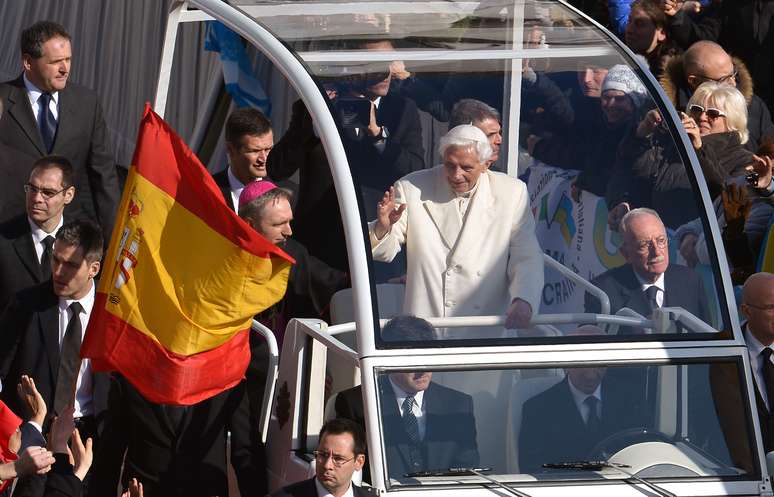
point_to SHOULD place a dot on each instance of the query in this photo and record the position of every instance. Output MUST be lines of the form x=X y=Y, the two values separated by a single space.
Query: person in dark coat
x=594 y=152
x=707 y=61
x=647 y=34
x=44 y=113
x=340 y=452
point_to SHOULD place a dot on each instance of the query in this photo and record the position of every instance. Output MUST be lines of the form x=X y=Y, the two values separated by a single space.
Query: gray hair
x=726 y=99
x=466 y=136
x=253 y=210
x=471 y=111
x=623 y=227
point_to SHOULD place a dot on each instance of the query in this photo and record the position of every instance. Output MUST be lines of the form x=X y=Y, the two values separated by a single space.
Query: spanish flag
x=182 y=278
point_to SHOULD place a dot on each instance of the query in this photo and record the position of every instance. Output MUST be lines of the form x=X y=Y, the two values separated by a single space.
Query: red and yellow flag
x=182 y=278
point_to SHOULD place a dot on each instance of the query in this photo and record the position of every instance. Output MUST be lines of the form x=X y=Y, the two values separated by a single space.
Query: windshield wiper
x=598 y=465
x=468 y=472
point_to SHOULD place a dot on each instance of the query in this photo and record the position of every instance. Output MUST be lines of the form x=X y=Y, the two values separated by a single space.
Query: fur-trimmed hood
x=674 y=82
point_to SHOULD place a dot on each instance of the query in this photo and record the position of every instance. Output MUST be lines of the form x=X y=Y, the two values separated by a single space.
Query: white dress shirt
x=658 y=284
x=84 y=386
x=417 y=407
x=754 y=349
x=580 y=401
x=236 y=188
x=463 y=201
x=323 y=492
x=34 y=93
x=38 y=235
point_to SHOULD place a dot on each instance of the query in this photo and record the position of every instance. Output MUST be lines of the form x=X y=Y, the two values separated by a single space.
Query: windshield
x=522 y=216
x=659 y=420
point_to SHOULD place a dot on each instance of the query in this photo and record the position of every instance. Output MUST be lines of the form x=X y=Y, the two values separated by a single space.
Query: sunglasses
x=712 y=113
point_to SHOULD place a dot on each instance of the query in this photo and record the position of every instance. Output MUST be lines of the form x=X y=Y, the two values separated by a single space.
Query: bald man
x=708 y=61
x=758 y=309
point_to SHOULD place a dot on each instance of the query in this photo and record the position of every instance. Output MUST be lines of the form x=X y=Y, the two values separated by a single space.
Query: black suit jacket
x=307 y=488
x=29 y=344
x=316 y=216
x=552 y=429
x=81 y=137
x=19 y=264
x=15 y=167
x=373 y=171
x=186 y=459
x=221 y=179
x=450 y=427
x=682 y=288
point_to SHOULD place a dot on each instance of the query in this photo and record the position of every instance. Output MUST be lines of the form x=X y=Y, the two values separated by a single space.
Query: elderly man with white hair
x=469 y=236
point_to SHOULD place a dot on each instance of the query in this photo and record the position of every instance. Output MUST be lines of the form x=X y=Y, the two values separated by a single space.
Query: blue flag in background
x=238 y=75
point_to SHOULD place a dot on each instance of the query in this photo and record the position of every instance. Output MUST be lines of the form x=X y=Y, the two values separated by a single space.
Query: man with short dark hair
x=427 y=426
x=249 y=139
x=41 y=331
x=340 y=452
x=484 y=117
x=26 y=241
x=46 y=114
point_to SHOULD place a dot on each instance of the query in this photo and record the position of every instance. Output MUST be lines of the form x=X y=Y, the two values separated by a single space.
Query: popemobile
x=612 y=385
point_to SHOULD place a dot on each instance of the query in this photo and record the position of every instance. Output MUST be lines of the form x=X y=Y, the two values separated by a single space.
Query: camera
x=752 y=179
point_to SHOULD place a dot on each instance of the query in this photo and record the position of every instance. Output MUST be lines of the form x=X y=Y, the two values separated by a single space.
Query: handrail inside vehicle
x=568 y=273
x=660 y=323
x=271 y=376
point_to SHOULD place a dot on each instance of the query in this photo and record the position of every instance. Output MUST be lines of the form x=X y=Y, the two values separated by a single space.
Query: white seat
x=389 y=296
x=521 y=391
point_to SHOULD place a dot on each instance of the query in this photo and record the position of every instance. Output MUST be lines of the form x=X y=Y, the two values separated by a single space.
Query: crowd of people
x=460 y=236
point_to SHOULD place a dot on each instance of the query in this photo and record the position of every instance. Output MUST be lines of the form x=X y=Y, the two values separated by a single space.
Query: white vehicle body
x=319 y=359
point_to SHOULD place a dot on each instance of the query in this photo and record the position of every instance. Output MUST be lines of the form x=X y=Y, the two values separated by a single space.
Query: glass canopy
x=568 y=106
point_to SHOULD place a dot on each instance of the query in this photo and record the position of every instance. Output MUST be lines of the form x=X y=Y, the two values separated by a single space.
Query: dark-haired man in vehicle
x=46 y=114
x=426 y=425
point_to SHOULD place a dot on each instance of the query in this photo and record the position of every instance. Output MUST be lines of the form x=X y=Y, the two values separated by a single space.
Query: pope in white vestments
x=469 y=236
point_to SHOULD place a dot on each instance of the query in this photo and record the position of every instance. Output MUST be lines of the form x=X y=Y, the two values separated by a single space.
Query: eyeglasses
x=47 y=193
x=723 y=79
x=643 y=246
x=764 y=308
x=712 y=113
x=322 y=456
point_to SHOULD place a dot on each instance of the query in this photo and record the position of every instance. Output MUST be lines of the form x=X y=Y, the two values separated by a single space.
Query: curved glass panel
x=578 y=139
x=666 y=421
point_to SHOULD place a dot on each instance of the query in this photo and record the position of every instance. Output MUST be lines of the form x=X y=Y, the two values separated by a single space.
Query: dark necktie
x=593 y=423
x=46 y=121
x=45 y=259
x=412 y=430
x=69 y=360
x=650 y=295
x=768 y=376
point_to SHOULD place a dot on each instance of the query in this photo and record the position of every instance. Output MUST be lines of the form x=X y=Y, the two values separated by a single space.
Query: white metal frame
x=370 y=357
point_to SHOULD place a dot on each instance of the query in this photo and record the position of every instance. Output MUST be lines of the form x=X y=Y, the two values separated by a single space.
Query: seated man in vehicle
x=647 y=281
x=426 y=426
x=568 y=420
x=340 y=452
x=469 y=236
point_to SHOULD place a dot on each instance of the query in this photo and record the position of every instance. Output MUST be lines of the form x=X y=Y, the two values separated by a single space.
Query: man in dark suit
x=386 y=144
x=565 y=422
x=42 y=329
x=249 y=139
x=177 y=451
x=340 y=452
x=758 y=307
x=26 y=240
x=426 y=426
x=46 y=115
x=648 y=281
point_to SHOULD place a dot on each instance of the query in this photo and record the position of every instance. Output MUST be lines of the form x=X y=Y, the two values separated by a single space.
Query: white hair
x=466 y=136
